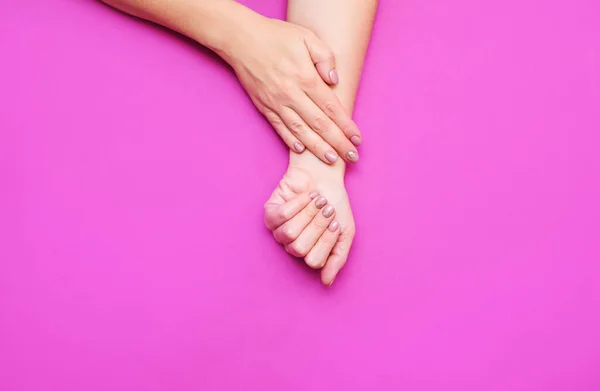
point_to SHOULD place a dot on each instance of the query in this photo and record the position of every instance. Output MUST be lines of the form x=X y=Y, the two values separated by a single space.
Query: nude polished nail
x=333 y=76
x=330 y=156
x=299 y=147
x=356 y=140
x=328 y=211
x=333 y=226
x=313 y=195
x=352 y=156
x=320 y=202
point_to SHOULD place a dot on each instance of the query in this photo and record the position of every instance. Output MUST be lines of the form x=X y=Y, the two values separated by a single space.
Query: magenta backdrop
x=134 y=169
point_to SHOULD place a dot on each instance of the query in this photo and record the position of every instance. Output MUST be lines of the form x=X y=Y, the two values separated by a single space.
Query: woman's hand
x=309 y=213
x=283 y=67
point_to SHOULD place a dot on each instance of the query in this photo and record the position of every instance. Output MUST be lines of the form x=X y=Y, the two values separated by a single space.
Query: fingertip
x=352 y=156
x=326 y=278
x=331 y=157
x=333 y=226
x=298 y=147
x=321 y=202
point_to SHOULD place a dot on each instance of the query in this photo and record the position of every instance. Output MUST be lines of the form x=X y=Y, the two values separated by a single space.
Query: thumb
x=338 y=257
x=322 y=57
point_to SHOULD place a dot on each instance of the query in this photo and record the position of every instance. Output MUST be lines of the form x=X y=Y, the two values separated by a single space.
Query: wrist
x=317 y=169
x=221 y=26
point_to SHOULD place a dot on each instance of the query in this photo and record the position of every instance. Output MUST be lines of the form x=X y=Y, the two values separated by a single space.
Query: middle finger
x=322 y=125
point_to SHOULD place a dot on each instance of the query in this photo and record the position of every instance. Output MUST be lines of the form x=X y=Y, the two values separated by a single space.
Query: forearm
x=344 y=25
x=215 y=24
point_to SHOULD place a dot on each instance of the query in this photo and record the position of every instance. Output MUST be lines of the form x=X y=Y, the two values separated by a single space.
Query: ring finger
x=311 y=140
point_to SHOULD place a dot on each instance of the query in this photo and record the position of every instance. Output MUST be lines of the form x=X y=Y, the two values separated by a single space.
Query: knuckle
x=296 y=127
x=285 y=214
x=285 y=87
x=297 y=249
x=273 y=119
x=330 y=108
x=287 y=233
x=321 y=124
x=263 y=97
x=313 y=261
x=279 y=90
x=308 y=81
x=285 y=66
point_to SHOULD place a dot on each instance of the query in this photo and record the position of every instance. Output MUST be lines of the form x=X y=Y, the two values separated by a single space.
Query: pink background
x=133 y=170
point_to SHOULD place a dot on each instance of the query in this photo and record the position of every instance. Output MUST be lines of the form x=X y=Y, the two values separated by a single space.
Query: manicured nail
x=328 y=211
x=320 y=202
x=299 y=147
x=333 y=76
x=313 y=195
x=333 y=226
x=356 y=140
x=352 y=156
x=330 y=156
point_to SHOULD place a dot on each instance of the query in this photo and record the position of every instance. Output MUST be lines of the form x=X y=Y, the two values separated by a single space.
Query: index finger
x=277 y=215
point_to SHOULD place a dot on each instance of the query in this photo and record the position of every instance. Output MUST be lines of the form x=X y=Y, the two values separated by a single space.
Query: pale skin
x=303 y=77
x=345 y=25
x=284 y=68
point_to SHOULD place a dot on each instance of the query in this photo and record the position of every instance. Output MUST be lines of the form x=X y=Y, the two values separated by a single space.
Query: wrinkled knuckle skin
x=297 y=128
x=320 y=124
x=274 y=120
x=330 y=109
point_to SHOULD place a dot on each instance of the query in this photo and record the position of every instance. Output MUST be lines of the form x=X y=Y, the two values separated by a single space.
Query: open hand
x=284 y=68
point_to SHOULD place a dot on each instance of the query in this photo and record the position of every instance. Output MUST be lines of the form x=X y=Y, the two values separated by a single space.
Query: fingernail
x=299 y=147
x=313 y=195
x=333 y=76
x=328 y=211
x=320 y=202
x=333 y=226
x=352 y=156
x=331 y=283
x=356 y=140
x=330 y=156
